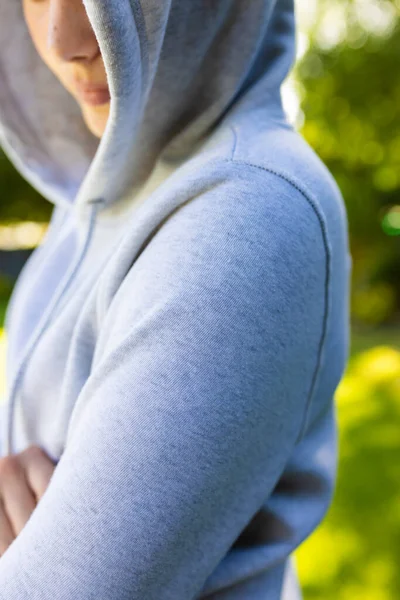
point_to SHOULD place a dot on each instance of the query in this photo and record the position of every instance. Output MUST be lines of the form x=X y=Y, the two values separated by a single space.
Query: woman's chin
x=96 y=117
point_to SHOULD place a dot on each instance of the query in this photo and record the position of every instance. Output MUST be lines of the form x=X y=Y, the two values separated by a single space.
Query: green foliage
x=351 y=102
x=6 y=286
x=354 y=553
x=21 y=202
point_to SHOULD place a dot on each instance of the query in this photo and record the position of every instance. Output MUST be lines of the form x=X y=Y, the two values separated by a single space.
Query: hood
x=174 y=69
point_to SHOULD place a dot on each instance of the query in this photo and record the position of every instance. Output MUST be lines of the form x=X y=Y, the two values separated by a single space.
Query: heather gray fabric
x=176 y=340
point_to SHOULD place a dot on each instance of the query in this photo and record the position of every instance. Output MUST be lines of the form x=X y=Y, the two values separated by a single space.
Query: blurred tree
x=20 y=202
x=350 y=97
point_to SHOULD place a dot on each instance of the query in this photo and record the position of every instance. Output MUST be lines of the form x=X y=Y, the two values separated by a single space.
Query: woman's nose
x=70 y=34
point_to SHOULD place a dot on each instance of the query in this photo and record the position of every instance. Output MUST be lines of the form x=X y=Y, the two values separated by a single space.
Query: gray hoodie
x=176 y=340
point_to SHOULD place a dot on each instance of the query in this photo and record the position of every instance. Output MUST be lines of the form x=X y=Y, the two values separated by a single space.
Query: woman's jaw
x=64 y=38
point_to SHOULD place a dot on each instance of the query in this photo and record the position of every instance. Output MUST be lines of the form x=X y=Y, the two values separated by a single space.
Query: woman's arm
x=192 y=408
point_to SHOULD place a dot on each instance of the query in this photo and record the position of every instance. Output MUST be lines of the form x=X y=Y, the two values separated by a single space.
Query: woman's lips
x=93 y=94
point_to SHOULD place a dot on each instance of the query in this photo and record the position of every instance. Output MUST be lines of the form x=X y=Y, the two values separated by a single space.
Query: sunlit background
x=344 y=98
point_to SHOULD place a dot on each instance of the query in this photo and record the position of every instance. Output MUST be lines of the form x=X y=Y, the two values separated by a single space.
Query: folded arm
x=192 y=409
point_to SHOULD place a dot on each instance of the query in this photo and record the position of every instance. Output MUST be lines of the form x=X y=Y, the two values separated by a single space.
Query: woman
x=176 y=340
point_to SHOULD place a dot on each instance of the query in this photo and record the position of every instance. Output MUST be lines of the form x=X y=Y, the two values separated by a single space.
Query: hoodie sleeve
x=195 y=399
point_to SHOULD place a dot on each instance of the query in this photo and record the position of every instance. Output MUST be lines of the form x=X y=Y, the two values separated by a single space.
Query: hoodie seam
x=140 y=24
x=235 y=138
x=321 y=220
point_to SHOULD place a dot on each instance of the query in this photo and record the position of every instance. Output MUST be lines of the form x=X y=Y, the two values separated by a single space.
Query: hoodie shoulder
x=276 y=147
